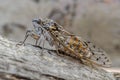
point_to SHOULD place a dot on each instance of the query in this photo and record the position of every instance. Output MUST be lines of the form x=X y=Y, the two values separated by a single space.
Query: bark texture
x=28 y=63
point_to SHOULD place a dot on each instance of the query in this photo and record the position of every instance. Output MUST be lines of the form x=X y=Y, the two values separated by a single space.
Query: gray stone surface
x=26 y=62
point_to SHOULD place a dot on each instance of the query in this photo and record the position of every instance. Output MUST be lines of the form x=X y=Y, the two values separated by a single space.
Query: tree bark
x=28 y=63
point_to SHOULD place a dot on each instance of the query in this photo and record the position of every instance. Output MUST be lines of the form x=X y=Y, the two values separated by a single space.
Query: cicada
x=71 y=44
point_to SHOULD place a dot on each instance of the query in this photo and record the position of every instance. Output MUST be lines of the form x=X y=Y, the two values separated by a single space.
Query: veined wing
x=93 y=54
x=99 y=56
x=73 y=44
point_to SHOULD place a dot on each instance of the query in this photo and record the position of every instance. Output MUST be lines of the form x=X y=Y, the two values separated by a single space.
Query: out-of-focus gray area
x=94 y=20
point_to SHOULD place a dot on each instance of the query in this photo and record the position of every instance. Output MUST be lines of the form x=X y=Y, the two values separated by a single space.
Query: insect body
x=72 y=44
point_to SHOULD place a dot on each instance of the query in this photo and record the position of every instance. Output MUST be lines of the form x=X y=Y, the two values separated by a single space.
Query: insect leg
x=40 y=41
x=36 y=43
x=57 y=49
x=26 y=36
x=43 y=45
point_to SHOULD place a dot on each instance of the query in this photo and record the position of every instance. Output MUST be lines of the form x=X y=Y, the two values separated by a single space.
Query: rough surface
x=27 y=63
x=97 y=20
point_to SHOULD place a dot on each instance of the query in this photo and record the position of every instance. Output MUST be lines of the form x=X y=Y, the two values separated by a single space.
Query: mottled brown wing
x=97 y=55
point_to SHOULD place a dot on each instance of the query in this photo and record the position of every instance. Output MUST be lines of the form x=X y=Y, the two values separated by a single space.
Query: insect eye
x=38 y=22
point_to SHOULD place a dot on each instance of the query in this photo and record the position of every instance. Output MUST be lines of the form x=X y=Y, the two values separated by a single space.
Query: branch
x=27 y=63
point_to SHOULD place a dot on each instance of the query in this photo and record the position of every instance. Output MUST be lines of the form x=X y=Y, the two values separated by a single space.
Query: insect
x=70 y=43
x=37 y=33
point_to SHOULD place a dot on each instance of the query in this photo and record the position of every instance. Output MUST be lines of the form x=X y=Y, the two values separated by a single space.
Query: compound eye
x=38 y=22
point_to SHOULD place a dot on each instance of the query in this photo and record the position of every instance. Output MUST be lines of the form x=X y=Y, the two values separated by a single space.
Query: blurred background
x=94 y=20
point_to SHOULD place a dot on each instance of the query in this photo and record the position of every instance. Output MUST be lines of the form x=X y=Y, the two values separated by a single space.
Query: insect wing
x=99 y=56
x=48 y=38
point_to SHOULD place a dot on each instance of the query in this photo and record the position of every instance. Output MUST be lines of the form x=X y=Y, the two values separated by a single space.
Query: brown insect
x=69 y=43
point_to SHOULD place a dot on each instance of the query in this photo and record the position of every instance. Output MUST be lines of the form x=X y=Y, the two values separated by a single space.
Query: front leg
x=26 y=36
x=29 y=33
x=36 y=37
